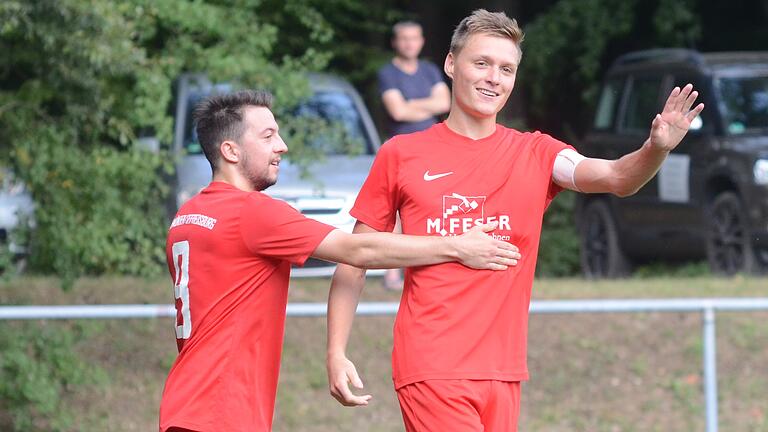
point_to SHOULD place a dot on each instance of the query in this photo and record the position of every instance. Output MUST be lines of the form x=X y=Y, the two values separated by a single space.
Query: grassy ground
x=606 y=372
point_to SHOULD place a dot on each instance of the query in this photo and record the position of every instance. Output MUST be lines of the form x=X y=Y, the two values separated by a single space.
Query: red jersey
x=229 y=254
x=455 y=322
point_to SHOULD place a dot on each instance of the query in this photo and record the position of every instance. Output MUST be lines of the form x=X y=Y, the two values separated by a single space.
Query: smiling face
x=260 y=147
x=483 y=74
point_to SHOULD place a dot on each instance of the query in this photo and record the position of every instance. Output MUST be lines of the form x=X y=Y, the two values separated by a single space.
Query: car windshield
x=332 y=106
x=744 y=103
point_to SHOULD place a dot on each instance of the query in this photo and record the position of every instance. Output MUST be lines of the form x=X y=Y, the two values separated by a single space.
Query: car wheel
x=729 y=250
x=601 y=254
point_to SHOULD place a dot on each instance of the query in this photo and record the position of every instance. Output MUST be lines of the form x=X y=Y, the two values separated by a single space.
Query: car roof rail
x=660 y=55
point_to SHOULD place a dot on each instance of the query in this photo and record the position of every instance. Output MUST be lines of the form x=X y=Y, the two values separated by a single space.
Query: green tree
x=81 y=80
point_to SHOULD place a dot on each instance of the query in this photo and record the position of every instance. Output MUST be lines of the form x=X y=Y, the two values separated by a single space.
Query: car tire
x=729 y=250
x=601 y=254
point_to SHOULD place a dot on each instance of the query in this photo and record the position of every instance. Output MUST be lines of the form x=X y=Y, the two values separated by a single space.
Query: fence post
x=710 y=369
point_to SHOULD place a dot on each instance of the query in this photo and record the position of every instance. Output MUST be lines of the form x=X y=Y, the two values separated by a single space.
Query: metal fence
x=706 y=306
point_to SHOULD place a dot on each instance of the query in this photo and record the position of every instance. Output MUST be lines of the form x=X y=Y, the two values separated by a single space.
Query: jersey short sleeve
x=273 y=228
x=387 y=79
x=546 y=149
x=377 y=201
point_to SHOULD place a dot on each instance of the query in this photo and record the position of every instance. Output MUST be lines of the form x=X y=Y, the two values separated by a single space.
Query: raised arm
x=626 y=175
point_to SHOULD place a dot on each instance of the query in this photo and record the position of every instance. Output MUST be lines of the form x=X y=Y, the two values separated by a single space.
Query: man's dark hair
x=220 y=117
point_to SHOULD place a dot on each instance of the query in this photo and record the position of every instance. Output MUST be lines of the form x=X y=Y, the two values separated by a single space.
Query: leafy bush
x=100 y=210
x=38 y=366
x=559 y=248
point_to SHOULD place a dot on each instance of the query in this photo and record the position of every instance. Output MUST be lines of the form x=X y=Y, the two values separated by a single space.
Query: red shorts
x=460 y=406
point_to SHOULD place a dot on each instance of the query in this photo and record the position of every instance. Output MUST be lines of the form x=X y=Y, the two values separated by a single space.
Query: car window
x=606 y=106
x=337 y=108
x=642 y=104
x=744 y=103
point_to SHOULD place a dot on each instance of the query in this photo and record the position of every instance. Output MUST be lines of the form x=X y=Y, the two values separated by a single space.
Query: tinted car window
x=642 y=104
x=744 y=104
x=606 y=106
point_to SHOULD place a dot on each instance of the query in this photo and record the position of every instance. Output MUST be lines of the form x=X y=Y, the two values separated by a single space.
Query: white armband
x=564 y=170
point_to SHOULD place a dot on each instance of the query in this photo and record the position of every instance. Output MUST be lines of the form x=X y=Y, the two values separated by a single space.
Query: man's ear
x=448 y=65
x=230 y=151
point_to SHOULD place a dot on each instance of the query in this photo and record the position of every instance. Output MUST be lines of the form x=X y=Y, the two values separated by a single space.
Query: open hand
x=478 y=250
x=669 y=127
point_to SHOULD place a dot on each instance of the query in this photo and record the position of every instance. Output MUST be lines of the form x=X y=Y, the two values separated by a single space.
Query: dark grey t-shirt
x=416 y=86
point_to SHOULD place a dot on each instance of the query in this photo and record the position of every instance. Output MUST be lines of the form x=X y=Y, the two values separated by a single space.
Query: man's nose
x=280 y=146
x=494 y=75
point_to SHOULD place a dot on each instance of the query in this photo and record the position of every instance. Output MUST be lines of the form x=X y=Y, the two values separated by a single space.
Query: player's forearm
x=346 y=286
x=387 y=250
x=621 y=177
x=634 y=170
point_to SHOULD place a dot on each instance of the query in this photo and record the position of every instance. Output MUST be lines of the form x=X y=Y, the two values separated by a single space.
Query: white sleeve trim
x=564 y=169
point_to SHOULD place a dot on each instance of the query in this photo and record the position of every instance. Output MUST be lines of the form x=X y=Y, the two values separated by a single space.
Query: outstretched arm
x=626 y=175
x=474 y=249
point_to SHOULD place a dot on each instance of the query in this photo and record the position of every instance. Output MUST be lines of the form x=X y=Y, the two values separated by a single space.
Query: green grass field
x=590 y=372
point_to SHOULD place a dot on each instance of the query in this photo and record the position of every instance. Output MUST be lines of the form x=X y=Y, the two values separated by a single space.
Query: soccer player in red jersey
x=230 y=250
x=460 y=335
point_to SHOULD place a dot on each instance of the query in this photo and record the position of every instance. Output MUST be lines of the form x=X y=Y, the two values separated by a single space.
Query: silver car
x=15 y=204
x=329 y=191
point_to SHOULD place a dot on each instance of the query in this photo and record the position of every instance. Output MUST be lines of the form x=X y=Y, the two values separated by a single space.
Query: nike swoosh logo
x=428 y=177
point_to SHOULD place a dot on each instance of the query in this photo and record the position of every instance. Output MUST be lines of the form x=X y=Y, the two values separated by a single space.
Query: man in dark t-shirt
x=412 y=90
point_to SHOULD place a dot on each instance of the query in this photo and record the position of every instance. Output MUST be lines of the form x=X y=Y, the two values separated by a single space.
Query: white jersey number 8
x=181 y=288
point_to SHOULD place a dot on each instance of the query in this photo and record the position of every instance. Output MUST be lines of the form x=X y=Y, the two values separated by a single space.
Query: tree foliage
x=38 y=363
x=568 y=47
x=81 y=81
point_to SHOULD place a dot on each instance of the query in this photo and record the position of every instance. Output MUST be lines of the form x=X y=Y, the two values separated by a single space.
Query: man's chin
x=264 y=184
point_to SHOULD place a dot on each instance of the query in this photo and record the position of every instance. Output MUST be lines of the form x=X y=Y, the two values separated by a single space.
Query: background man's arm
x=413 y=110
x=626 y=175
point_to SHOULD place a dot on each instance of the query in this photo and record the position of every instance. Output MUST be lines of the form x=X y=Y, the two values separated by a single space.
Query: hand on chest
x=441 y=198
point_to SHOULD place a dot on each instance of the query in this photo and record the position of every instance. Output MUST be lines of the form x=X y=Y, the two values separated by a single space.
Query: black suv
x=710 y=198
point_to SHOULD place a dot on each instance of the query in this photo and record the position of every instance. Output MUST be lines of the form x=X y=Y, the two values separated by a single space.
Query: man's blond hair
x=491 y=23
